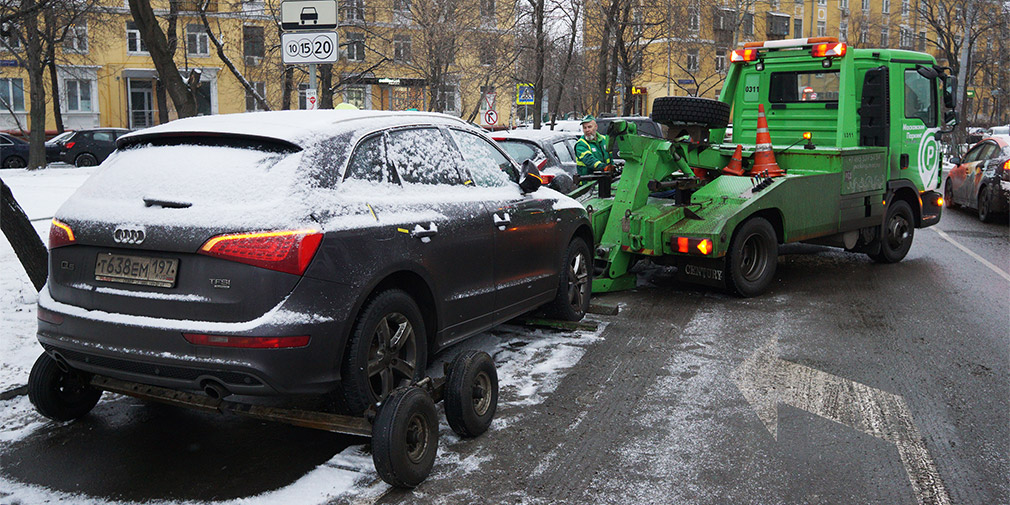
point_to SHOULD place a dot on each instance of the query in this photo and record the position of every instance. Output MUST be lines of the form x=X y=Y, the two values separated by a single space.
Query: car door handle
x=502 y=220
x=425 y=234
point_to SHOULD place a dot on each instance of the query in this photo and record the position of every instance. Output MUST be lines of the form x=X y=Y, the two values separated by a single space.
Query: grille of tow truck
x=171 y=372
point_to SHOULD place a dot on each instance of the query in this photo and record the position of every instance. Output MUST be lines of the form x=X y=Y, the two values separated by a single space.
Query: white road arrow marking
x=767 y=380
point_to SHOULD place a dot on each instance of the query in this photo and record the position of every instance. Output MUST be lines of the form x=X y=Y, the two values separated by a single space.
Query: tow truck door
x=915 y=152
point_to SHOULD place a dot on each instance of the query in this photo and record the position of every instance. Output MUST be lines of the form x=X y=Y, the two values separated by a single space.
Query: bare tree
x=182 y=92
x=219 y=44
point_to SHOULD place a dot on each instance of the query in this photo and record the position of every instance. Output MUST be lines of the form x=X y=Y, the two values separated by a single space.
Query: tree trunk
x=54 y=80
x=325 y=85
x=163 y=57
x=289 y=83
x=538 y=84
x=36 y=93
x=27 y=245
x=568 y=61
x=601 y=64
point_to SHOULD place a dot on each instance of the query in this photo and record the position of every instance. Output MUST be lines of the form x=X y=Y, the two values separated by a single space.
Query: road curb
x=13 y=393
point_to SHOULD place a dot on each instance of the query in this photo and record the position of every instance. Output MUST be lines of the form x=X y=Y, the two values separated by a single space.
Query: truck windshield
x=808 y=86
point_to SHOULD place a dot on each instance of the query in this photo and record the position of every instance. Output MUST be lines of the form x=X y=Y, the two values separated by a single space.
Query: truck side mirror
x=927 y=72
x=950 y=118
x=530 y=180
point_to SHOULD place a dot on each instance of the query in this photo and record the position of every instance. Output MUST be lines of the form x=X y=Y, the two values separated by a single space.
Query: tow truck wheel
x=405 y=437
x=572 y=301
x=471 y=394
x=984 y=205
x=60 y=395
x=897 y=233
x=753 y=256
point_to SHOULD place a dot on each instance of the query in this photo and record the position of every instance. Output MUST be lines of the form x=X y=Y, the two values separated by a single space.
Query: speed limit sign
x=491 y=117
x=309 y=47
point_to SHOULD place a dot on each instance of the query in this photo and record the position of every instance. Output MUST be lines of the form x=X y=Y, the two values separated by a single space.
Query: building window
x=401 y=11
x=843 y=4
x=885 y=6
x=822 y=29
x=10 y=41
x=12 y=94
x=822 y=2
x=748 y=24
x=693 y=17
x=445 y=99
x=78 y=95
x=884 y=42
x=843 y=31
x=197 y=41
x=692 y=60
x=922 y=41
x=134 y=42
x=253 y=47
x=487 y=9
x=76 y=40
x=866 y=5
x=355 y=95
x=720 y=60
x=487 y=55
x=797 y=28
x=355 y=46
x=864 y=36
x=905 y=38
x=778 y=26
x=251 y=104
x=401 y=48
x=354 y=10
x=905 y=7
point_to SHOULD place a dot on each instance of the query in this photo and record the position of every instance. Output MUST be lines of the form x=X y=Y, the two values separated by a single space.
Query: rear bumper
x=153 y=350
x=931 y=208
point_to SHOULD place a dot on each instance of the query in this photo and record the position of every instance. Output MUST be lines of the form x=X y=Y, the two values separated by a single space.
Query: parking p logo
x=929 y=158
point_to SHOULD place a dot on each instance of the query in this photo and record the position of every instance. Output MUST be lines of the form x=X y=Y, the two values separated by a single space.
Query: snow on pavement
x=531 y=363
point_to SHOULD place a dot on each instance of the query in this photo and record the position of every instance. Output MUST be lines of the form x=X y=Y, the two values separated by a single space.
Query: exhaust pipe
x=61 y=362
x=215 y=390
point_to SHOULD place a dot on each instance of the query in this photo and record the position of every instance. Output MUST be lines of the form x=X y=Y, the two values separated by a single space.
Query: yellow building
x=107 y=78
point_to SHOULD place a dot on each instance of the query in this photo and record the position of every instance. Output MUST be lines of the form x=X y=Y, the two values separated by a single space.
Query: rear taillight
x=743 y=55
x=69 y=145
x=687 y=245
x=1006 y=170
x=60 y=234
x=288 y=251
x=246 y=342
x=829 y=50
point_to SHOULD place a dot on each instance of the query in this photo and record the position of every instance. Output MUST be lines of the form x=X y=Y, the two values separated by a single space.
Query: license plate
x=140 y=270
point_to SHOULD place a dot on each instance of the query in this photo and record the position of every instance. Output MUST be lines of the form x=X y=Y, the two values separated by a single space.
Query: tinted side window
x=368 y=163
x=486 y=164
x=104 y=137
x=4 y=141
x=422 y=156
x=974 y=153
x=563 y=154
x=920 y=98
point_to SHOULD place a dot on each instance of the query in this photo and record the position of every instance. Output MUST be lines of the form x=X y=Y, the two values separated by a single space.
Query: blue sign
x=524 y=94
x=685 y=81
x=8 y=63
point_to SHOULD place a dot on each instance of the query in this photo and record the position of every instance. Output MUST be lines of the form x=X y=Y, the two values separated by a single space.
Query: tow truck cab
x=854 y=130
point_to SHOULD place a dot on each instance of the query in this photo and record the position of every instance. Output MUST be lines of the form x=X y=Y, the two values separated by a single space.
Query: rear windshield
x=807 y=86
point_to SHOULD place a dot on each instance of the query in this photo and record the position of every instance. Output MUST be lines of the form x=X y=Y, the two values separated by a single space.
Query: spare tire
x=670 y=110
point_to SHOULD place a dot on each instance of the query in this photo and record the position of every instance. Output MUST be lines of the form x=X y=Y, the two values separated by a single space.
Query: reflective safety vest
x=592 y=156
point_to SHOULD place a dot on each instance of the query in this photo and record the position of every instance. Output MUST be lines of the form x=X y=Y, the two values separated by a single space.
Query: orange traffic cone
x=735 y=166
x=764 y=158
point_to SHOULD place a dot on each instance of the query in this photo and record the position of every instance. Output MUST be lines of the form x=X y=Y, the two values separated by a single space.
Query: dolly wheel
x=60 y=395
x=471 y=394
x=405 y=437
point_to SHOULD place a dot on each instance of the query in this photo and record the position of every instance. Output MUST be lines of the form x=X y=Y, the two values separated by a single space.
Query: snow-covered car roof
x=535 y=135
x=298 y=127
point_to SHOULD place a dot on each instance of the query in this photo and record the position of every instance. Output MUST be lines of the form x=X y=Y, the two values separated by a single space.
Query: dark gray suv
x=296 y=252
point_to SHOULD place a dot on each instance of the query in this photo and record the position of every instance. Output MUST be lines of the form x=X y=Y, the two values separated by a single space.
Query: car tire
x=60 y=395
x=689 y=109
x=985 y=204
x=575 y=285
x=374 y=364
x=85 y=160
x=753 y=257
x=948 y=195
x=15 y=161
x=405 y=437
x=897 y=233
x=471 y=393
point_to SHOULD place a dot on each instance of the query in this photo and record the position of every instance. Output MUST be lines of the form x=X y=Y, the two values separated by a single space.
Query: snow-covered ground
x=530 y=363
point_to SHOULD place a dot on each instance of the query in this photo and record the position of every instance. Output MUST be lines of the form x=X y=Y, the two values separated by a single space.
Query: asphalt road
x=848 y=382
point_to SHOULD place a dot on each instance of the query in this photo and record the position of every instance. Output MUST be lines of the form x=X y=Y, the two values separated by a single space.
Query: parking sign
x=309 y=47
x=308 y=14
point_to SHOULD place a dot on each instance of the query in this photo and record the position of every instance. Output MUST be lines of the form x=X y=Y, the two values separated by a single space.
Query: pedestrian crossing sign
x=524 y=94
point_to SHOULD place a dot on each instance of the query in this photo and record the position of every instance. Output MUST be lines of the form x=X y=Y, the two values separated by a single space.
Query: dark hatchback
x=87 y=148
x=13 y=152
x=552 y=151
x=297 y=252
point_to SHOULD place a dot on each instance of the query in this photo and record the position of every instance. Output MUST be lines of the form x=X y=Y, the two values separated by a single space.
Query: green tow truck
x=854 y=131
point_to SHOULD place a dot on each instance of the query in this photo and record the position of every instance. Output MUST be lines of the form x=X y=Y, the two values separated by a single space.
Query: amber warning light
x=688 y=245
x=829 y=50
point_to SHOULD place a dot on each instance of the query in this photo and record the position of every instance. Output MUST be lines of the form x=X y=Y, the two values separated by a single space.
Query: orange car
x=981 y=180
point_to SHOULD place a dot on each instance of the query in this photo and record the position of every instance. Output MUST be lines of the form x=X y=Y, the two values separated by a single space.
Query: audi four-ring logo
x=129 y=235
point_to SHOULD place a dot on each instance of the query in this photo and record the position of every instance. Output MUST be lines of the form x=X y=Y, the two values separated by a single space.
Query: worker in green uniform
x=591 y=154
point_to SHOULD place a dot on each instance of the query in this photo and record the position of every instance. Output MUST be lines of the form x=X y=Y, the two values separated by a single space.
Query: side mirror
x=927 y=72
x=530 y=179
x=950 y=118
x=955 y=160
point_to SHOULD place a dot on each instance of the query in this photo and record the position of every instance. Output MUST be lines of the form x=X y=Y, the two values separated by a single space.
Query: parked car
x=55 y=144
x=981 y=180
x=552 y=151
x=297 y=252
x=564 y=125
x=87 y=148
x=13 y=152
